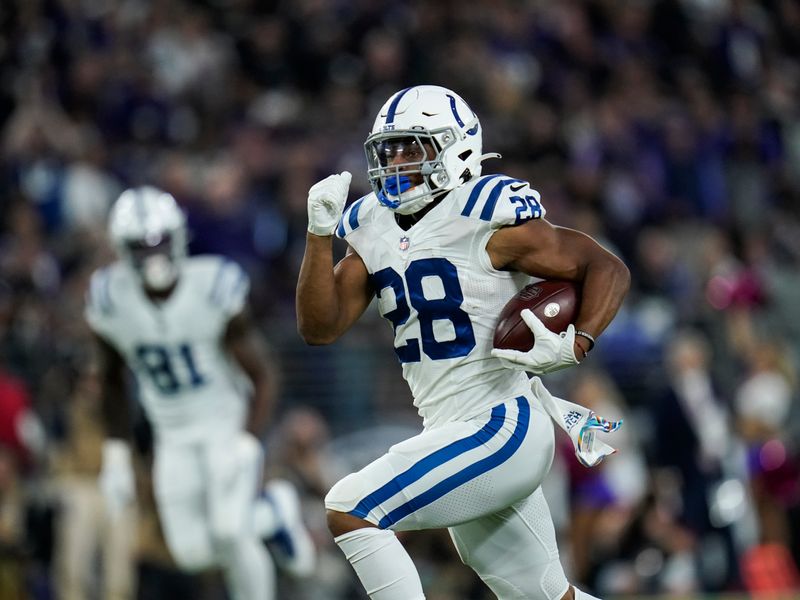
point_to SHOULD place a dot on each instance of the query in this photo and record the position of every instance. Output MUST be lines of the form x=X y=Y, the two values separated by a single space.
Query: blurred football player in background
x=181 y=325
x=443 y=249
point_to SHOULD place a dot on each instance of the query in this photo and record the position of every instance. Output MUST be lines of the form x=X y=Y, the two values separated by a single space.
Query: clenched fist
x=326 y=200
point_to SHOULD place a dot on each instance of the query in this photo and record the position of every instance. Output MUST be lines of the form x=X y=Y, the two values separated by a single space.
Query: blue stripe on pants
x=468 y=474
x=430 y=462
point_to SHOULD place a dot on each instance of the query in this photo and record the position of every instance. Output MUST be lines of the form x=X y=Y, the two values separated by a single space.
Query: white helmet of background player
x=416 y=117
x=148 y=229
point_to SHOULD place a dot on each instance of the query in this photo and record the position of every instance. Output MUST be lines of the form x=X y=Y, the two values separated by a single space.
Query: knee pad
x=225 y=548
x=224 y=536
x=581 y=595
x=248 y=450
x=546 y=581
x=346 y=493
x=193 y=557
x=233 y=486
x=533 y=569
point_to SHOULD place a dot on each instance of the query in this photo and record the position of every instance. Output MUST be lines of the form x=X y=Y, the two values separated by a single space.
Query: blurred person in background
x=443 y=249
x=300 y=451
x=21 y=430
x=605 y=499
x=86 y=527
x=157 y=574
x=765 y=414
x=678 y=115
x=13 y=550
x=181 y=325
x=692 y=441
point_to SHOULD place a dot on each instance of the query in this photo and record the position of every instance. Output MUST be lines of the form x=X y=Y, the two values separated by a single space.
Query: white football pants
x=205 y=495
x=480 y=479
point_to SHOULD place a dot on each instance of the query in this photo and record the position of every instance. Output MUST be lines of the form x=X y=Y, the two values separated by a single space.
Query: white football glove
x=550 y=352
x=116 y=476
x=326 y=200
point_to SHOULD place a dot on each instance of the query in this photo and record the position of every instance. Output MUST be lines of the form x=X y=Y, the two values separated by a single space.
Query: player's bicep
x=542 y=249
x=110 y=363
x=244 y=342
x=353 y=289
x=113 y=396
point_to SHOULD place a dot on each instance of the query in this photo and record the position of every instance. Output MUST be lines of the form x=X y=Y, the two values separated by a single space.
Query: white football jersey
x=189 y=387
x=435 y=284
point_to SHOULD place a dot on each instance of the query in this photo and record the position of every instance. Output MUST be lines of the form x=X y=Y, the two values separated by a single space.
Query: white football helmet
x=424 y=116
x=148 y=229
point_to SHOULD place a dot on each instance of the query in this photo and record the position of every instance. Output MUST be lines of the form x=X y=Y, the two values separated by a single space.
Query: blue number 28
x=428 y=309
x=529 y=208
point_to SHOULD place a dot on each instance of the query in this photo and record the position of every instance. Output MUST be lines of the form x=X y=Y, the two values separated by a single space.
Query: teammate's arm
x=330 y=299
x=116 y=409
x=542 y=249
x=246 y=345
x=116 y=479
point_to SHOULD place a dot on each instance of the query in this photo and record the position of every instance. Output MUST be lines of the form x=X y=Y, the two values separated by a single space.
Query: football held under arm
x=541 y=249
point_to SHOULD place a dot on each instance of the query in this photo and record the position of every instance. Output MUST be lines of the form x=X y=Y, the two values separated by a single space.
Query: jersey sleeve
x=99 y=307
x=352 y=218
x=230 y=288
x=501 y=200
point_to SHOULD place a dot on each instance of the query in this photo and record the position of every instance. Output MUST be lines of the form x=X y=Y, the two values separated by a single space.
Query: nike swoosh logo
x=519 y=186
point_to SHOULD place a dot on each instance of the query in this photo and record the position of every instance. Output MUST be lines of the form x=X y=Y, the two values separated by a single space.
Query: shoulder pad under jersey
x=500 y=200
x=219 y=281
x=355 y=215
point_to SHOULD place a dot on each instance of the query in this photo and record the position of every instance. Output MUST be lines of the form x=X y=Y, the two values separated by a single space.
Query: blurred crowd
x=667 y=129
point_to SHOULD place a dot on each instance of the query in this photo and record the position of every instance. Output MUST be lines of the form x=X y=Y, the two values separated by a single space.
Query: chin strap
x=423 y=196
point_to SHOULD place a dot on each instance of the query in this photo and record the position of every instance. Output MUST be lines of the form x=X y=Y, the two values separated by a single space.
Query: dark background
x=667 y=129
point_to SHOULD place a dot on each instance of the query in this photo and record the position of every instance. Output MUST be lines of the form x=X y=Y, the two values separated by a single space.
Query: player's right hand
x=326 y=200
x=116 y=476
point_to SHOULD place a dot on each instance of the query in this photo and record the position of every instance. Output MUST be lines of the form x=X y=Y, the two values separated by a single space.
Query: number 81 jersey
x=188 y=385
x=436 y=286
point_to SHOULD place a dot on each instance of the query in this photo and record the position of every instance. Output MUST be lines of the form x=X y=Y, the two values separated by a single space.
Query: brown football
x=556 y=303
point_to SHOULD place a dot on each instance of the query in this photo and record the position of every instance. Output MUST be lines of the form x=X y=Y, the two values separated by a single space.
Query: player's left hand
x=550 y=352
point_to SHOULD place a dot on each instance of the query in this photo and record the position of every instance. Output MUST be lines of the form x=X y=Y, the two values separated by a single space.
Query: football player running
x=181 y=325
x=443 y=248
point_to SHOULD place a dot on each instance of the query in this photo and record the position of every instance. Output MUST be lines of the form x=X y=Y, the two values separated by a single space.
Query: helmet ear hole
x=465 y=155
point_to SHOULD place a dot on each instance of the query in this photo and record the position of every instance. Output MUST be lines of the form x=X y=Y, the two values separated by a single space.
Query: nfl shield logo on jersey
x=404 y=243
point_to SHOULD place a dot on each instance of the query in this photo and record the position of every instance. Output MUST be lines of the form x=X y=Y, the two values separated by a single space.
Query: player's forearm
x=114 y=402
x=316 y=298
x=258 y=366
x=116 y=411
x=605 y=283
x=260 y=410
x=247 y=346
